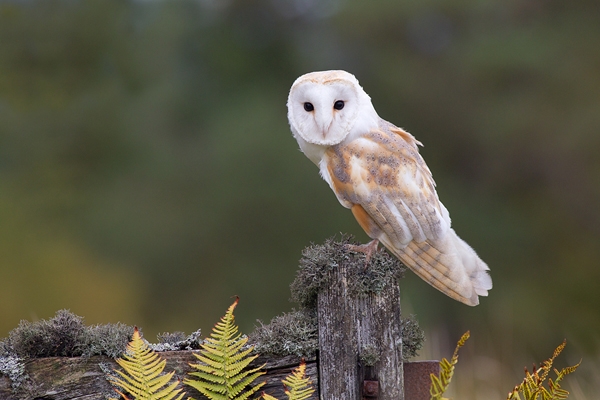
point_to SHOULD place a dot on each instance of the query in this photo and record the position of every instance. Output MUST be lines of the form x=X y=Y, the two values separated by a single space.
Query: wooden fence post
x=360 y=339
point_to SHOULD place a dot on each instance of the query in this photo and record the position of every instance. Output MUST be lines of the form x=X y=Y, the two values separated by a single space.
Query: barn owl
x=375 y=170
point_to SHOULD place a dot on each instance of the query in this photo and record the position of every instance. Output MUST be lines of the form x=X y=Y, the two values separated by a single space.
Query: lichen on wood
x=293 y=333
x=318 y=260
x=65 y=335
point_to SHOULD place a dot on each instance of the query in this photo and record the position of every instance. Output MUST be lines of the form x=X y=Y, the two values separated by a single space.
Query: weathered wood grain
x=355 y=327
x=66 y=378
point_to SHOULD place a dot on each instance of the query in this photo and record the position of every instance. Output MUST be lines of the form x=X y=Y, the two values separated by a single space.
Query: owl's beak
x=324 y=123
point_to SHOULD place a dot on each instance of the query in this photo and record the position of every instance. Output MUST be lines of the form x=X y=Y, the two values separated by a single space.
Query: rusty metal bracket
x=370 y=389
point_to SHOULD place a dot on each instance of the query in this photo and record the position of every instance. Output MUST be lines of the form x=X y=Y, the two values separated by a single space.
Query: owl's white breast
x=313 y=152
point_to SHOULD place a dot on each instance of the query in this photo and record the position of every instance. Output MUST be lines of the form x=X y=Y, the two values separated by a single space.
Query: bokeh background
x=148 y=174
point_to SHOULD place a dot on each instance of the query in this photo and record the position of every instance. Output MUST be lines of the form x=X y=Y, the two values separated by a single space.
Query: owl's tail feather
x=450 y=265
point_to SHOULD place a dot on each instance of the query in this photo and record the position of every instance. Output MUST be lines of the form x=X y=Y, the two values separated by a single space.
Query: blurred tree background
x=148 y=174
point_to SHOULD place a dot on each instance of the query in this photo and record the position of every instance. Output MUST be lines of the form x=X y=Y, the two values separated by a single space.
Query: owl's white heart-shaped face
x=323 y=106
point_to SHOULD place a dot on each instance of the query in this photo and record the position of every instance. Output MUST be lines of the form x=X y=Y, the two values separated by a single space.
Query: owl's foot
x=368 y=249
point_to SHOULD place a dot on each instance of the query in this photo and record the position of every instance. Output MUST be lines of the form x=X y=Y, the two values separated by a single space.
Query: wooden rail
x=77 y=378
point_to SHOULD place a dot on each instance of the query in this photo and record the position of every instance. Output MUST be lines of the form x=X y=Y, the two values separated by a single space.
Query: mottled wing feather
x=384 y=180
x=384 y=173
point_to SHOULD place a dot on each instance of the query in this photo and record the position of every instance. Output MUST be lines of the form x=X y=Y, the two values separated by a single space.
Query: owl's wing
x=384 y=173
x=384 y=180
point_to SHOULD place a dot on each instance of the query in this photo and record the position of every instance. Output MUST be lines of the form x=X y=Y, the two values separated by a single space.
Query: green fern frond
x=440 y=383
x=223 y=359
x=532 y=387
x=142 y=377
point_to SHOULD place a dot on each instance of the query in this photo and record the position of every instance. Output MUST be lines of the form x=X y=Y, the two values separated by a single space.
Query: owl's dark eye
x=308 y=106
x=338 y=105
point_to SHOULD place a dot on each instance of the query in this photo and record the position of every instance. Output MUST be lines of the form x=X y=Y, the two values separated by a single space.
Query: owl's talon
x=368 y=249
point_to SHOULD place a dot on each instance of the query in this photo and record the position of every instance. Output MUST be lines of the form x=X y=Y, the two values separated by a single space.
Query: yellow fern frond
x=299 y=386
x=223 y=359
x=533 y=387
x=143 y=378
x=440 y=383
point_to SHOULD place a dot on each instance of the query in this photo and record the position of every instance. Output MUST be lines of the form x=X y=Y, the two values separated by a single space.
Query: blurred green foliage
x=147 y=169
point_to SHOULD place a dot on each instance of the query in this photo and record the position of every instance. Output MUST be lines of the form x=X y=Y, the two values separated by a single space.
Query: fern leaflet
x=222 y=362
x=439 y=384
x=143 y=376
x=532 y=387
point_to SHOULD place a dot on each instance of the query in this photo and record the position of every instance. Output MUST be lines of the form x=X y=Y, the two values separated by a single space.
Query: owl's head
x=324 y=107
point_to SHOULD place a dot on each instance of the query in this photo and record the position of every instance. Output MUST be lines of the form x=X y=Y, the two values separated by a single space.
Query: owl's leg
x=371 y=228
x=368 y=249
